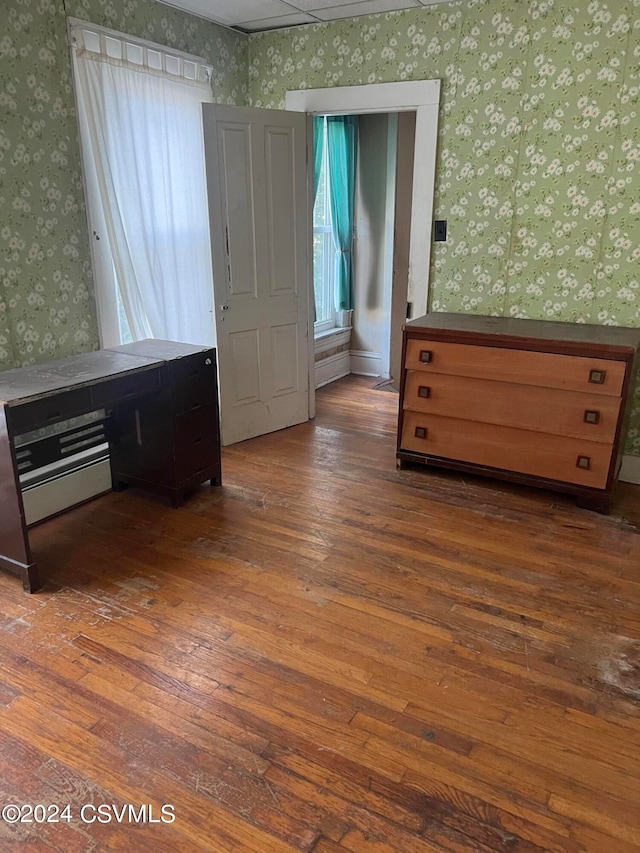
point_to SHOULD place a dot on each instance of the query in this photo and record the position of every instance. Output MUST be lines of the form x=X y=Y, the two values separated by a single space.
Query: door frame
x=423 y=98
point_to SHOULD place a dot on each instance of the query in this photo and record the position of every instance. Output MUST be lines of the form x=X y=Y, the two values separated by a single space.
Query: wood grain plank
x=329 y=654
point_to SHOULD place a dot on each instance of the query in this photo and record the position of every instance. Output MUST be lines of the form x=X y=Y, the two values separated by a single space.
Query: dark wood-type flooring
x=327 y=654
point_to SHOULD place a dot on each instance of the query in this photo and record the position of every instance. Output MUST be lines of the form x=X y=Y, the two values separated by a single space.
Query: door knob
x=225 y=307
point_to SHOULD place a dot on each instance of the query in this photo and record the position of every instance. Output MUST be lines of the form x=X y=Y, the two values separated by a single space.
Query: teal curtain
x=318 y=148
x=318 y=151
x=342 y=139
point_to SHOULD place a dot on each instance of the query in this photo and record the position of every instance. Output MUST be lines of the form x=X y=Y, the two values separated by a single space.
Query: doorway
x=381 y=252
x=421 y=98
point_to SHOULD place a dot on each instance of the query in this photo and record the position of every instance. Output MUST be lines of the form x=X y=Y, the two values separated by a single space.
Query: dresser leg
x=594 y=503
x=30 y=578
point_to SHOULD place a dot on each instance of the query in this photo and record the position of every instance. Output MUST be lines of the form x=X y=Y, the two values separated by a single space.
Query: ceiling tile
x=239 y=10
x=312 y=5
x=257 y=15
x=292 y=20
x=366 y=7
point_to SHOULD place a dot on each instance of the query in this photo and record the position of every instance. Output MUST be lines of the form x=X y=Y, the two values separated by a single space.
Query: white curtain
x=143 y=156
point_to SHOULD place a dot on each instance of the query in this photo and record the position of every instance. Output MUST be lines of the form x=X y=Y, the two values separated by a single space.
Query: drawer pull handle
x=421 y=432
x=597 y=377
x=591 y=417
x=584 y=462
x=426 y=356
x=52 y=416
x=207 y=361
x=424 y=391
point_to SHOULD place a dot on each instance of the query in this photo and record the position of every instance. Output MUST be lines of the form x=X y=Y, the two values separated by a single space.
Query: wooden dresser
x=535 y=402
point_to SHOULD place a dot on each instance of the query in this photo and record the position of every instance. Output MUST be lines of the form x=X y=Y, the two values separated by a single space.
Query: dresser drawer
x=193 y=381
x=545 y=369
x=550 y=456
x=549 y=410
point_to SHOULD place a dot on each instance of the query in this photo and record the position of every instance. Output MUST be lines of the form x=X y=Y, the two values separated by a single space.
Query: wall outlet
x=440 y=231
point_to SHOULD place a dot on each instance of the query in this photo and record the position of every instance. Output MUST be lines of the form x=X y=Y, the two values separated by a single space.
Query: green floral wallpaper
x=538 y=166
x=46 y=298
x=538 y=169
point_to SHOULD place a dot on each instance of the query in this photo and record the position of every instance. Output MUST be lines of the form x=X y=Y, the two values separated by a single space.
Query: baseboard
x=366 y=363
x=60 y=493
x=630 y=470
x=332 y=368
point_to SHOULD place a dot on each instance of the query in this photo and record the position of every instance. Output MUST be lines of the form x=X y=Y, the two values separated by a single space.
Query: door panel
x=237 y=191
x=260 y=242
x=280 y=198
x=245 y=359
x=284 y=348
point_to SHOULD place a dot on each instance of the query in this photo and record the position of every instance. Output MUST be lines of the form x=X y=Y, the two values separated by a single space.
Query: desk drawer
x=550 y=410
x=196 y=437
x=544 y=369
x=127 y=387
x=553 y=457
x=193 y=381
x=50 y=410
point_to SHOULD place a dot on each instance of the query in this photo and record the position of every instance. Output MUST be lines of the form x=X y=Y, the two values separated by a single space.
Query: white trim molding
x=630 y=470
x=368 y=98
x=423 y=97
x=332 y=368
x=366 y=363
x=332 y=338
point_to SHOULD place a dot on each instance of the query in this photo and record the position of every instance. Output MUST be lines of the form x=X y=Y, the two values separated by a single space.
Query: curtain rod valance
x=110 y=46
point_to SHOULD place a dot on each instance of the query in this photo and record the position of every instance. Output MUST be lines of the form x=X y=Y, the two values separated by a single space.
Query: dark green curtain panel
x=342 y=145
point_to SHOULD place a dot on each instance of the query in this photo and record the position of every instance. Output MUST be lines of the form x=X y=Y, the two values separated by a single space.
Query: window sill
x=333 y=331
x=330 y=338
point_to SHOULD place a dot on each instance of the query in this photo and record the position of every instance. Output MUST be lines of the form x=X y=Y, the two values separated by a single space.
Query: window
x=324 y=251
x=139 y=110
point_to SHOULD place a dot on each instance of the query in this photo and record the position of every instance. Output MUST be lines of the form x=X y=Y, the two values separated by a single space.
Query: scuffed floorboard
x=327 y=654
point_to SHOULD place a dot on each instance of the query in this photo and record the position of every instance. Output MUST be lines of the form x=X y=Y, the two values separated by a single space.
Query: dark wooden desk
x=160 y=406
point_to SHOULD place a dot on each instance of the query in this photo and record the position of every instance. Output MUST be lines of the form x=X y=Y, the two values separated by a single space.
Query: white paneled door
x=258 y=213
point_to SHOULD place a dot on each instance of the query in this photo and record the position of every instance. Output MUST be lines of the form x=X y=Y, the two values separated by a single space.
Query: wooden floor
x=327 y=654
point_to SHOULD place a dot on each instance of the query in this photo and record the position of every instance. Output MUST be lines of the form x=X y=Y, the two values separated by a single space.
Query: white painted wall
x=373 y=246
x=368 y=256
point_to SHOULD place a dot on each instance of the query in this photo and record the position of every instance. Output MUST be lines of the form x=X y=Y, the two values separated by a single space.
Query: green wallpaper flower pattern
x=538 y=170
x=538 y=165
x=47 y=307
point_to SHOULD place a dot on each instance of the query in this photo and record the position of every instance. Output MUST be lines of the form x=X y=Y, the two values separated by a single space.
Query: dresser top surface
x=502 y=328
x=25 y=384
